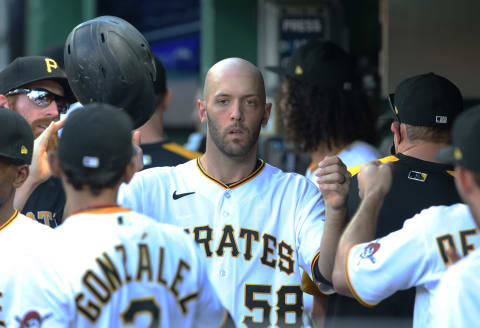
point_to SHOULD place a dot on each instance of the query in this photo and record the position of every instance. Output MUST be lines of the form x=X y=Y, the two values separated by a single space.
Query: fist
x=333 y=180
x=375 y=177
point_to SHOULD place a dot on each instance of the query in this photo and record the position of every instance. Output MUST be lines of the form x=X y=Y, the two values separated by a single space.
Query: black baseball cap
x=24 y=70
x=16 y=137
x=160 y=83
x=96 y=140
x=464 y=150
x=321 y=63
x=426 y=100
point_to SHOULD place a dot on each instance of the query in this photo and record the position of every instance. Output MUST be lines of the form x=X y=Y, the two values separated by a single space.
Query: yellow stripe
x=355 y=169
x=452 y=173
x=350 y=286
x=177 y=149
x=10 y=220
x=235 y=184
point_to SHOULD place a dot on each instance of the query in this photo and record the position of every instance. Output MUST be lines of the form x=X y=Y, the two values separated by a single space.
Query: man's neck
x=83 y=200
x=225 y=168
x=6 y=211
x=425 y=151
x=152 y=131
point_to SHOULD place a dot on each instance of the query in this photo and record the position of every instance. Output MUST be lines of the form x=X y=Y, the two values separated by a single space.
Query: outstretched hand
x=46 y=141
x=334 y=181
x=375 y=177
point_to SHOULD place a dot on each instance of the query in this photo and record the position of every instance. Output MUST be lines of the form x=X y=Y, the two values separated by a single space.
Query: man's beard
x=227 y=147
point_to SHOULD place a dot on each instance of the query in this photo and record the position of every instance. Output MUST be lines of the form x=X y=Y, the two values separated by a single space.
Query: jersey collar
x=258 y=168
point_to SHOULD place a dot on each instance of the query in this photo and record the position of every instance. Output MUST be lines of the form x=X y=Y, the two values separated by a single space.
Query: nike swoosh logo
x=177 y=196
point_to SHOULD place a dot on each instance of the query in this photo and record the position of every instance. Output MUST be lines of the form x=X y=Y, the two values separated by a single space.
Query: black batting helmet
x=108 y=60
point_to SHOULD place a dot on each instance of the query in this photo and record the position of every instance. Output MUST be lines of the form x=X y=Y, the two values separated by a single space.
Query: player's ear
x=3 y=101
x=202 y=110
x=129 y=171
x=266 y=113
x=54 y=164
x=22 y=175
x=167 y=98
x=397 y=135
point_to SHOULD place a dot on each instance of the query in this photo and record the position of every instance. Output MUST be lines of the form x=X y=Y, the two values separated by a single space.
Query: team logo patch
x=32 y=320
x=369 y=251
x=417 y=176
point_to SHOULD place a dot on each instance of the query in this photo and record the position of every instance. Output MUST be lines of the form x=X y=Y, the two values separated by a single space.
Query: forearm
x=334 y=225
x=361 y=229
x=23 y=193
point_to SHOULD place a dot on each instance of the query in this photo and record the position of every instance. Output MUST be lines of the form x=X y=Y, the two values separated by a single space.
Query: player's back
x=117 y=268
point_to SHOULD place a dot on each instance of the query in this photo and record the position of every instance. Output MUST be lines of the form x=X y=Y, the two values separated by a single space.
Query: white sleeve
x=130 y=195
x=377 y=269
x=309 y=227
x=455 y=302
x=38 y=296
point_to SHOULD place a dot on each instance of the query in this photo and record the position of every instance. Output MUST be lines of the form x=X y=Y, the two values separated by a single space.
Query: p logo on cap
x=50 y=64
x=298 y=70
x=23 y=150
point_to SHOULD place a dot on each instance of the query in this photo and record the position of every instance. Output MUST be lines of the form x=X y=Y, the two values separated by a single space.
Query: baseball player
x=255 y=224
x=157 y=149
x=415 y=255
x=455 y=303
x=425 y=107
x=16 y=230
x=131 y=271
x=37 y=88
x=324 y=112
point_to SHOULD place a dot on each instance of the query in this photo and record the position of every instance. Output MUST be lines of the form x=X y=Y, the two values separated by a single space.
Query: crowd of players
x=223 y=238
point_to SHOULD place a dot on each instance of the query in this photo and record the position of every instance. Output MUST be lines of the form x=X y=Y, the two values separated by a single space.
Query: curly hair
x=318 y=117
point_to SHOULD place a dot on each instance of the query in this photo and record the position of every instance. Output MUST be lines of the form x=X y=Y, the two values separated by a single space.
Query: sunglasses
x=391 y=101
x=43 y=98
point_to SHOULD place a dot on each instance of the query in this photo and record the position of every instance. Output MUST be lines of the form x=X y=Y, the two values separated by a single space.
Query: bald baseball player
x=127 y=272
x=255 y=224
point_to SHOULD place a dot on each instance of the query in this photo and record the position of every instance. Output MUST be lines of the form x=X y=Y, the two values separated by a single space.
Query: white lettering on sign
x=302 y=25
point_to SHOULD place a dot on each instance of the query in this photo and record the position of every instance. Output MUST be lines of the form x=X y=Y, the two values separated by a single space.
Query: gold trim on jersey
x=350 y=286
x=177 y=149
x=234 y=184
x=355 y=169
x=103 y=210
x=10 y=220
x=452 y=173
x=308 y=286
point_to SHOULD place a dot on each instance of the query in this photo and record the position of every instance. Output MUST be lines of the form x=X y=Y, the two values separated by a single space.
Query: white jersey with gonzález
x=412 y=256
x=116 y=268
x=255 y=233
x=456 y=301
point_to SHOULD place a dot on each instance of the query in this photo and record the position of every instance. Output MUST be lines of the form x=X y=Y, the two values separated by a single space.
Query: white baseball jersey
x=358 y=152
x=116 y=268
x=18 y=235
x=456 y=301
x=412 y=256
x=255 y=233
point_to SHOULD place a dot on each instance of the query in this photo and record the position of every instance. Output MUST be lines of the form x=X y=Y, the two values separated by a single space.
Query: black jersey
x=46 y=203
x=416 y=185
x=165 y=153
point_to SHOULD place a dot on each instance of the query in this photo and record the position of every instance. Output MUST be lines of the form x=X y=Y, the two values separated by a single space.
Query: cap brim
x=445 y=155
x=276 y=69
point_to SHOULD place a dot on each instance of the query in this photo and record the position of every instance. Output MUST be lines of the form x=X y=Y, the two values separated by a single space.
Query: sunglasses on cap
x=391 y=102
x=43 y=98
